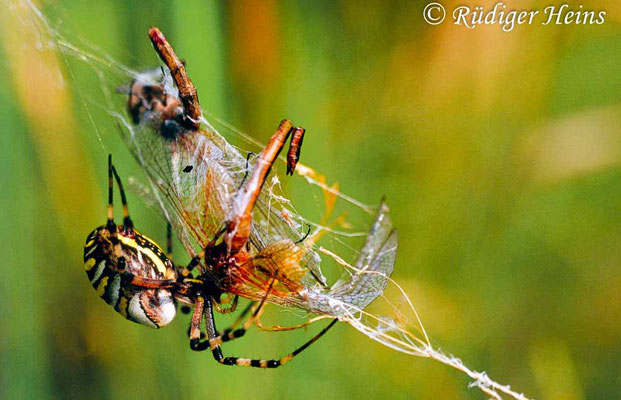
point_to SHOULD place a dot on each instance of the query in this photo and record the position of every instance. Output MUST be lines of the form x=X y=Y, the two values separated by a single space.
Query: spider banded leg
x=195 y=261
x=195 y=325
x=169 y=241
x=231 y=328
x=147 y=283
x=239 y=225
x=232 y=333
x=110 y=224
x=250 y=154
x=184 y=273
x=245 y=362
x=127 y=221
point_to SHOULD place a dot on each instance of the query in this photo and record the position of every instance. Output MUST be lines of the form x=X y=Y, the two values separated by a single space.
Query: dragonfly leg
x=278 y=328
x=250 y=307
x=240 y=219
x=226 y=310
x=259 y=324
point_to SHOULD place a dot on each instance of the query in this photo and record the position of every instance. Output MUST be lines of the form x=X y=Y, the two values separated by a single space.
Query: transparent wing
x=195 y=177
x=362 y=283
x=196 y=174
x=192 y=181
x=374 y=267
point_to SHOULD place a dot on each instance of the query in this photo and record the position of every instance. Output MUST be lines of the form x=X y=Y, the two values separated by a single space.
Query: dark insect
x=240 y=247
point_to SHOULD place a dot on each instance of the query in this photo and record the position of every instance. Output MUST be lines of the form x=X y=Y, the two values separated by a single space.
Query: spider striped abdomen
x=106 y=255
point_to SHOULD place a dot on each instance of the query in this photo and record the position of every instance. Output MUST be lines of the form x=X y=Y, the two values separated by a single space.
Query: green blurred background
x=498 y=153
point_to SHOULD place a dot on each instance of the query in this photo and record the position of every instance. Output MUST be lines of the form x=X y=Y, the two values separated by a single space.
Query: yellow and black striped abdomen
x=150 y=307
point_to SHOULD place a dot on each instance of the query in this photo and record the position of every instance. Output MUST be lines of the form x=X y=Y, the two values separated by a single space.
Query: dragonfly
x=215 y=201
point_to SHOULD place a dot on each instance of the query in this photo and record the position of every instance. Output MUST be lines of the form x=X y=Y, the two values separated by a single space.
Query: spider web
x=360 y=255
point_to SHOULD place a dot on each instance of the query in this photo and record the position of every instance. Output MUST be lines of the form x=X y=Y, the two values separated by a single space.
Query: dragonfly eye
x=179 y=116
x=170 y=129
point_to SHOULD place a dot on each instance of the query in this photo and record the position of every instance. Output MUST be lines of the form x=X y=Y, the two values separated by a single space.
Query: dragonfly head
x=153 y=99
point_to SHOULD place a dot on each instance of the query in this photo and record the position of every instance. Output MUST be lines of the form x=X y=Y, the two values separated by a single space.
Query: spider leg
x=187 y=90
x=214 y=340
x=169 y=241
x=127 y=221
x=247 y=362
x=235 y=323
x=184 y=272
x=240 y=219
x=131 y=279
x=232 y=333
x=195 y=325
x=110 y=222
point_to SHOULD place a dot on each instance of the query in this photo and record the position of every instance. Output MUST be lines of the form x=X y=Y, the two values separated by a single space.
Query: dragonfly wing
x=367 y=281
x=192 y=180
x=195 y=176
